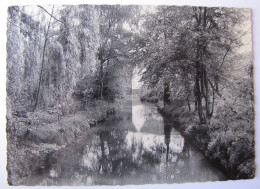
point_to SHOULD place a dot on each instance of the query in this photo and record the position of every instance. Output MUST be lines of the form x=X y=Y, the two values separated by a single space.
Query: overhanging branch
x=51 y=15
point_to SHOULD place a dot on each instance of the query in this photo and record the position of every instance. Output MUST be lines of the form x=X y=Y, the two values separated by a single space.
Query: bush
x=149 y=97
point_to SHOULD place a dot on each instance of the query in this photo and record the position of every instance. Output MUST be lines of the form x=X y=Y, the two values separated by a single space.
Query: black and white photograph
x=129 y=94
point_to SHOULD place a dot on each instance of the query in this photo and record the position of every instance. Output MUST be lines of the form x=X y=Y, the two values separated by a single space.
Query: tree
x=114 y=40
x=23 y=52
x=190 y=48
x=46 y=35
x=213 y=30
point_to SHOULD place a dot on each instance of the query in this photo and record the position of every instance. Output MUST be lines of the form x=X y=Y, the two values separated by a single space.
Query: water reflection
x=146 y=118
x=138 y=116
x=145 y=150
x=152 y=153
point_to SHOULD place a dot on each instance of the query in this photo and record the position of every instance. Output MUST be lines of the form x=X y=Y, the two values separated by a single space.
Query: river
x=143 y=150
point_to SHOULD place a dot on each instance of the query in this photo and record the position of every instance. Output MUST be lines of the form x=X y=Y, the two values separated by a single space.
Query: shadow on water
x=146 y=149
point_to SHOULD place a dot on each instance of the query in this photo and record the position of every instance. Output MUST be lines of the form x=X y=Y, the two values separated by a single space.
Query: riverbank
x=34 y=137
x=122 y=151
x=227 y=147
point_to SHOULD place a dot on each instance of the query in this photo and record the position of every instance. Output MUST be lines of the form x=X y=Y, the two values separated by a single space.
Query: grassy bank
x=228 y=141
x=34 y=136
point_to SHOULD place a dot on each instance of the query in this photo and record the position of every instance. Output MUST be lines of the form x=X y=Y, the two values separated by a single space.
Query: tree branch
x=51 y=15
x=212 y=86
x=21 y=29
x=223 y=60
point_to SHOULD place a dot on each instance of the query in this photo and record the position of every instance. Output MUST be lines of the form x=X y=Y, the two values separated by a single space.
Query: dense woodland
x=196 y=70
x=68 y=59
x=65 y=53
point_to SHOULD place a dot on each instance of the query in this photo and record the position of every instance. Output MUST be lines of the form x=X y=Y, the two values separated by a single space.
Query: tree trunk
x=40 y=79
x=198 y=97
x=43 y=60
x=188 y=101
x=196 y=104
x=198 y=83
x=207 y=100
x=102 y=79
x=195 y=101
x=166 y=95
x=213 y=101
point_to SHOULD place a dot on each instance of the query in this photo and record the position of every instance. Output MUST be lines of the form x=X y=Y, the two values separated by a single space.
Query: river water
x=143 y=150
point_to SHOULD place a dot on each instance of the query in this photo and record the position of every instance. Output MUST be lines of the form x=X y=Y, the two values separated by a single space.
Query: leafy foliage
x=66 y=59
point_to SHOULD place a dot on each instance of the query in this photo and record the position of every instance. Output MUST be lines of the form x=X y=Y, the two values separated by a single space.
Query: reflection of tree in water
x=187 y=165
x=113 y=155
x=167 y=133
x=112 y=144
x=176 y=168
x=117 y=159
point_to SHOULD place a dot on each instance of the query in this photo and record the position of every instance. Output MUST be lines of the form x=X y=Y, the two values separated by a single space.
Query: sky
x=136 y=83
